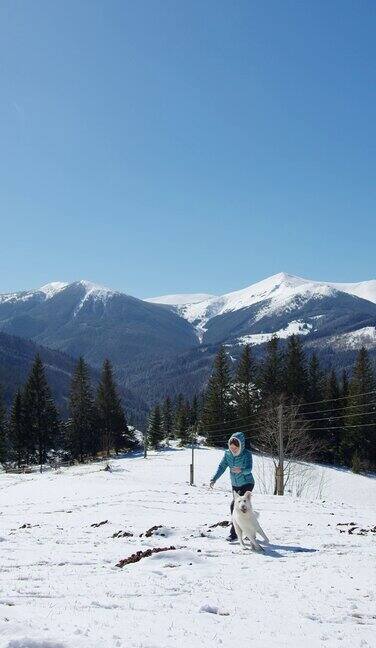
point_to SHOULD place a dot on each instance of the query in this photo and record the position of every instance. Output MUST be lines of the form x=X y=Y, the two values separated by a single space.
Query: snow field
x=60 y=587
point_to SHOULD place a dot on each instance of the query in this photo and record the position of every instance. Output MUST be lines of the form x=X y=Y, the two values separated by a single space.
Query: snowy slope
x=60 y=588
x=363 y=289
x=181 y=299
x=273 y=297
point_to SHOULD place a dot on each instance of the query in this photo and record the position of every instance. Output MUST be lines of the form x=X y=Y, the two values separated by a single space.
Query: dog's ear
x=236 y=495
x=248 y=495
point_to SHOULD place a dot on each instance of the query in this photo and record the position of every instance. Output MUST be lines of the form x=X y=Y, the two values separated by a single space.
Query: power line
x=270 y=409
x=330 y=400
x=332 y=418
x=341 y=427
x=338 y=409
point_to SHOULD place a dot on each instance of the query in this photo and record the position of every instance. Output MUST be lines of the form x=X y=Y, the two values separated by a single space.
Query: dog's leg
x=239 y=533
x=254 y=544
x=262 y=534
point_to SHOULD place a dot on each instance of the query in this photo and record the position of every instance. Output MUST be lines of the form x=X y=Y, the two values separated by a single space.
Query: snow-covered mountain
x=281 y=304
x=166 y=344
x=180 y=300
x=83 y=318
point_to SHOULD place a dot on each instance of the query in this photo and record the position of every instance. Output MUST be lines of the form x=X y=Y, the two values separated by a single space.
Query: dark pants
x=241 y=490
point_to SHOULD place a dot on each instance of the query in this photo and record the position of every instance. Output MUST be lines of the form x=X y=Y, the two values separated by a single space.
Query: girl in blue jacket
x=239 y=460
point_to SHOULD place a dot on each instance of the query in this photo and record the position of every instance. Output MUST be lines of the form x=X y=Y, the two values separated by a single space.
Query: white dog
x=245 y=521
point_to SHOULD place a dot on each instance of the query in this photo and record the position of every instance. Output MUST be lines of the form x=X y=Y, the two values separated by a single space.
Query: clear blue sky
x=162 y=146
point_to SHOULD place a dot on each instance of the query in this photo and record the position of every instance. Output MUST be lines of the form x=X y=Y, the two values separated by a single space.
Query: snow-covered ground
x=60 y=587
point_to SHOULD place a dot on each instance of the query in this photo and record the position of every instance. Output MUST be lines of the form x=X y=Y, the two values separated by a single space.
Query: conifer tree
x=244 y=391
x=217 y=408
x=41 y=415
x=3 y=430
x=359 y=440
x=181 y=421
x=345 y=385
x=296 y=382
x=316 y=380
x=272 y=370
x=155 y=430
x=111 y=418
x=167 y=419
x=83 y=429
x=17 y=432
x=194 y=413
x=332 y=419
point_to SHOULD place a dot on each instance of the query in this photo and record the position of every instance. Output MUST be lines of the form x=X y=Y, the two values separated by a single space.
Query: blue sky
x=162 y=146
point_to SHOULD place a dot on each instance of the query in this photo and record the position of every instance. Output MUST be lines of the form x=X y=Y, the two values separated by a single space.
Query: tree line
x=339 y=412
x=33 y=431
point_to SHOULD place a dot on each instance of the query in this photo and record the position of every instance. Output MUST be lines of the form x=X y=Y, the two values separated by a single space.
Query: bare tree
x=283 y=434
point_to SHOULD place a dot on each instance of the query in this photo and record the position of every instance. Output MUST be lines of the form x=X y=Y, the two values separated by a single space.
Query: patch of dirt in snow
x=158 y=530
x=122 y=534
x=139 y=555
x=98 y=524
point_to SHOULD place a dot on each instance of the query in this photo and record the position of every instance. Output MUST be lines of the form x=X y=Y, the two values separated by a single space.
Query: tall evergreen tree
x=83 y=428
x=111 y=418
x=345 y=385
x=3 y=430
x=332 y=419
x=245 y=391
x=41 y=414
x=181 y=421
x=155 y=430
x=359 y=440
x=272 y=370
x=17 y=431
x=217 y=408
x=296 y=382
x=316 y=380
x=167 y=419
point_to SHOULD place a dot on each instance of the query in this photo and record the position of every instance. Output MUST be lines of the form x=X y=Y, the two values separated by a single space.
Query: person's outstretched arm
x=220 y=470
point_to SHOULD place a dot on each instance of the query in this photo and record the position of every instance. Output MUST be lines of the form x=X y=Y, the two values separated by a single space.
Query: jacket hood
x=239 y=436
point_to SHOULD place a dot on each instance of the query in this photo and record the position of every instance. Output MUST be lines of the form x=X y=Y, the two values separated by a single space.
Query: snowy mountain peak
x=52 y=288
x=95 y=289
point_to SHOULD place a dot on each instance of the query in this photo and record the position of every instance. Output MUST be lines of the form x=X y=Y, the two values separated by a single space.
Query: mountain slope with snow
x=181 y=299
x=279 y=304
x=60 y=587
x=166 y=344
x=86 y=319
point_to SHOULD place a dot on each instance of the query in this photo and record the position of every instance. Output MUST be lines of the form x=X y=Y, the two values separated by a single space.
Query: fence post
x=192 y=466
x=279 y=470
x=144 y=436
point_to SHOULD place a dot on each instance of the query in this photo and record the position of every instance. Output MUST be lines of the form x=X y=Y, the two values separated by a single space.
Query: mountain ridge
x=159 y=348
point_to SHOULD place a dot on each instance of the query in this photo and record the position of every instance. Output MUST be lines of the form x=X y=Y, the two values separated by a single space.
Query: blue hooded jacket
x=242 y=460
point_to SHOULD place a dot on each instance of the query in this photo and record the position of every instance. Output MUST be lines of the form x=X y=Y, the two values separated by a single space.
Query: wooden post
x=144 y=436
x=192 y=466
x=279 y=470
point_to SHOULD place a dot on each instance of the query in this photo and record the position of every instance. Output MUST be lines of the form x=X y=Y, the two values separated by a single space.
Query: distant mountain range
x=16 y=358
x=166 y=344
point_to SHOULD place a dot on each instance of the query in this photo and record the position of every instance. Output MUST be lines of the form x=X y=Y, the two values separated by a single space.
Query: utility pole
x=279 y=469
